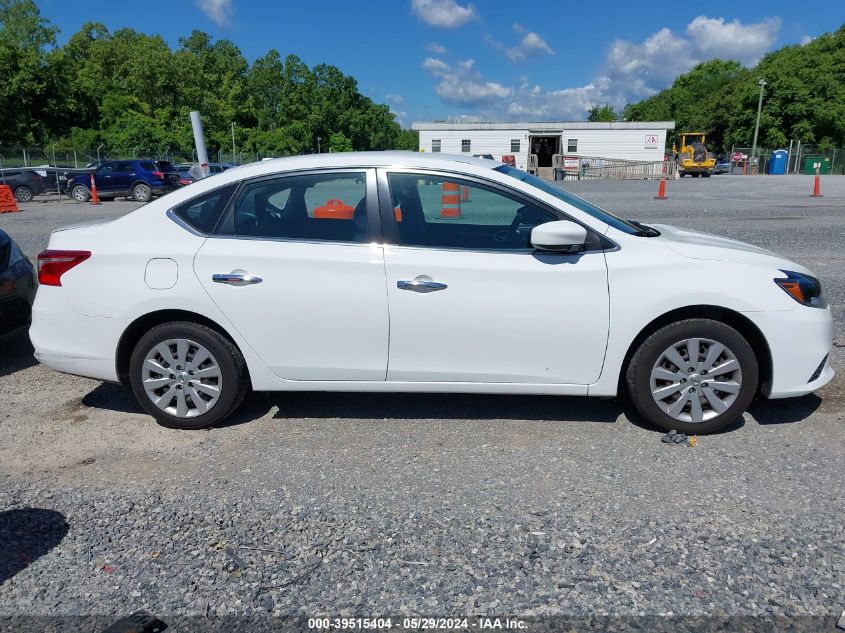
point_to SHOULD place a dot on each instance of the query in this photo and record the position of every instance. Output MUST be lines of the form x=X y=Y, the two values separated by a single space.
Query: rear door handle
x=422 y=283
x=236 y=279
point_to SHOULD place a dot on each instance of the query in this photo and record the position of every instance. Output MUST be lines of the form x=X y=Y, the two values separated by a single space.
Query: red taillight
x=35 y=176
x=53 y=264
x=185 y=181
x=158 y=174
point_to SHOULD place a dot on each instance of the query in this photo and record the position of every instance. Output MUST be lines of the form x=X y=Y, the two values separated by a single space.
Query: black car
x=25 y=183
x=17 y=286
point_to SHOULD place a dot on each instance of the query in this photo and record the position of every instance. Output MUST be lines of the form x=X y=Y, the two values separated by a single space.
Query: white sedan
x=408 y=272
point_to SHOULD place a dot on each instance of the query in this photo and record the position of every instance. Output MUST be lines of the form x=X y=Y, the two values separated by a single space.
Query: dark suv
x=139 y=179
x=25 y=183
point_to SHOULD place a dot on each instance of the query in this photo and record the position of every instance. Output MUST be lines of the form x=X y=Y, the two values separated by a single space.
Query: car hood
x=698 y=245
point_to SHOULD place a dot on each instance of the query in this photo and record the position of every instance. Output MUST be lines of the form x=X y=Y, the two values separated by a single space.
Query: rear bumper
x=799 y=340
x=73 y=343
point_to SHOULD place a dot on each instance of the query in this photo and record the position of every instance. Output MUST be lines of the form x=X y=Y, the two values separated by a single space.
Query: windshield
x=571 y=199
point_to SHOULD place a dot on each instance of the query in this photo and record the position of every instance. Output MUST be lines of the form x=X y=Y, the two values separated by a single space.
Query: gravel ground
x=562 y=509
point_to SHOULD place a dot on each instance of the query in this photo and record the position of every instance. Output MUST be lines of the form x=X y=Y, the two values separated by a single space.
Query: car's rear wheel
x=187 y=376
x=142 y=192
x=694 y=376
x=23 y=193
x=80 y=193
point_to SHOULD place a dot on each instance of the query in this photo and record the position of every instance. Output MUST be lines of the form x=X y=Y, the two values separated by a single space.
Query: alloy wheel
x=695 y=380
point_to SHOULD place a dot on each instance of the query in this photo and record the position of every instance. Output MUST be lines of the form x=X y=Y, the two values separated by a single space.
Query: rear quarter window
x=148 y=165
x=203 y=212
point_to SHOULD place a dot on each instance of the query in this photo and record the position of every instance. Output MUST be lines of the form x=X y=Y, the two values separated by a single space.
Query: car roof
x=366 y=159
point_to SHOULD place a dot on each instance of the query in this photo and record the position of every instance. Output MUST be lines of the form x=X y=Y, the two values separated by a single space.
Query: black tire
x=234 y=382
x=142 y=192
x=638 y=374
x=80 y=193
x=681 y=174
x=24 y=193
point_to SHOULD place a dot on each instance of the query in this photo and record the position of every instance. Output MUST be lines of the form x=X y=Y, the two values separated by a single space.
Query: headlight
x=805 y=289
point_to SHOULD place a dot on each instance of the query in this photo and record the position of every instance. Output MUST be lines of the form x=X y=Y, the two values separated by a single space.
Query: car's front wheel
x=694 y=376
x=80 y=193
x=187 y=376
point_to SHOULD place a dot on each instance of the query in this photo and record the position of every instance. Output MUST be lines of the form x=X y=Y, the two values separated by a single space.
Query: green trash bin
x=811 y=161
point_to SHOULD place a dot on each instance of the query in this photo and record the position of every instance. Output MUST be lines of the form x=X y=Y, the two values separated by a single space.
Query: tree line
x=804 y=98
x=133 y=92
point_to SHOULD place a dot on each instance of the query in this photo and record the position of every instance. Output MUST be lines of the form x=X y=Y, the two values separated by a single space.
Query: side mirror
x=563 y=235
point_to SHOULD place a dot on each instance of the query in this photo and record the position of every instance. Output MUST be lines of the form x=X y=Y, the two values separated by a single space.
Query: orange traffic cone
x=7 y=200
x=450 y=200
x=94 y=198
x=817 y=187
x=661 y=190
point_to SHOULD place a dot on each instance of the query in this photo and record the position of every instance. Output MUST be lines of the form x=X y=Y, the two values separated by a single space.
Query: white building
x=629 y=140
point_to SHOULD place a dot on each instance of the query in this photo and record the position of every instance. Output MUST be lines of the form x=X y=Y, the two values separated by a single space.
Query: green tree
x=603 y=113
x=24 y=81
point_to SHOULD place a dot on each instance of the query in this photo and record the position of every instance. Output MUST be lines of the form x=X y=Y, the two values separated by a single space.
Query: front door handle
x=422 y=283
x=236 y=279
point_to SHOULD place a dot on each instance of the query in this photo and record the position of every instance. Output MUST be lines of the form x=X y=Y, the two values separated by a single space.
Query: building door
x=545 y=147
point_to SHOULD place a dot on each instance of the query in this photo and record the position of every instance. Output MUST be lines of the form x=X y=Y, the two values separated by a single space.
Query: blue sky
x=494 y=59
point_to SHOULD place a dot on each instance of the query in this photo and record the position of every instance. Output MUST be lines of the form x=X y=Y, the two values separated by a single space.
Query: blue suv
x=138 y=179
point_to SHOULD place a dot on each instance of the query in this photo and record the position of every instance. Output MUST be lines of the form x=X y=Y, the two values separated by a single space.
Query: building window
x=465 y=145
x=435 y=145
x=572 y=145
x=514 y=145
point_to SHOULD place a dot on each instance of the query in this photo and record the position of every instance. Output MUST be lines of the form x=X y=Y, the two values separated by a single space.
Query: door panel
x=503 y=317
x=471 y=301
x=103 y=179
x=318 y=310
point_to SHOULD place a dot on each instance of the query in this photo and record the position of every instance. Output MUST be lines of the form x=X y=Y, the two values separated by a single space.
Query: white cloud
x=713 y=37
x=434 y=47
x=218 y=10
x=394 y=98
x=806 y=40
x=462 y=85
x=631 y=71
x=445 y=14
x=530 y=44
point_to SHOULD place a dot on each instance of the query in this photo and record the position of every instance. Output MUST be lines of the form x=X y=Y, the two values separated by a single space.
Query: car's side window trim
x=390 y=229
x=225 y=226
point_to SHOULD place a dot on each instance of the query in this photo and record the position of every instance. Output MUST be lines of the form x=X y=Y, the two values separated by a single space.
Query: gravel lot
x=562 y=509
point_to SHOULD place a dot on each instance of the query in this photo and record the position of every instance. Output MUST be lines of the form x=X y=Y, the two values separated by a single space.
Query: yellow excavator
x=693 y=157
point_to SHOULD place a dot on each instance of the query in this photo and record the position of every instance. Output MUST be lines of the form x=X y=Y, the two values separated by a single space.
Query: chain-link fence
x=800 y=159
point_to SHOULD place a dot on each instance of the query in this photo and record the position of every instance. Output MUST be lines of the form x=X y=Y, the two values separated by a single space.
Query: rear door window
x=148 y=165
x=324 y=207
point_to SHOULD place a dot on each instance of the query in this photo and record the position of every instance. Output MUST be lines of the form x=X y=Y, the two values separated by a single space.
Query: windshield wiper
x=644 y=230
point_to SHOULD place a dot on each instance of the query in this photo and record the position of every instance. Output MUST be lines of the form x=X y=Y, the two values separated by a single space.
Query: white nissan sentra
x=409 y=272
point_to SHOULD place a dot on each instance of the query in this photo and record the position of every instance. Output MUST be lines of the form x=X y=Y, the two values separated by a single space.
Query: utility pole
x=233 y=143
x=318 y=144
x=762 y=84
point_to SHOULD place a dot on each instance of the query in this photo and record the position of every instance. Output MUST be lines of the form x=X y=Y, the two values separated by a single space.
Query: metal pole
x=233 y=142
x=199 y=141
x=75 y=163
x=762 y=84
x=318 y=144
x=798 y=156
x=789 y=157
x=56 y=169
x=98 y=153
